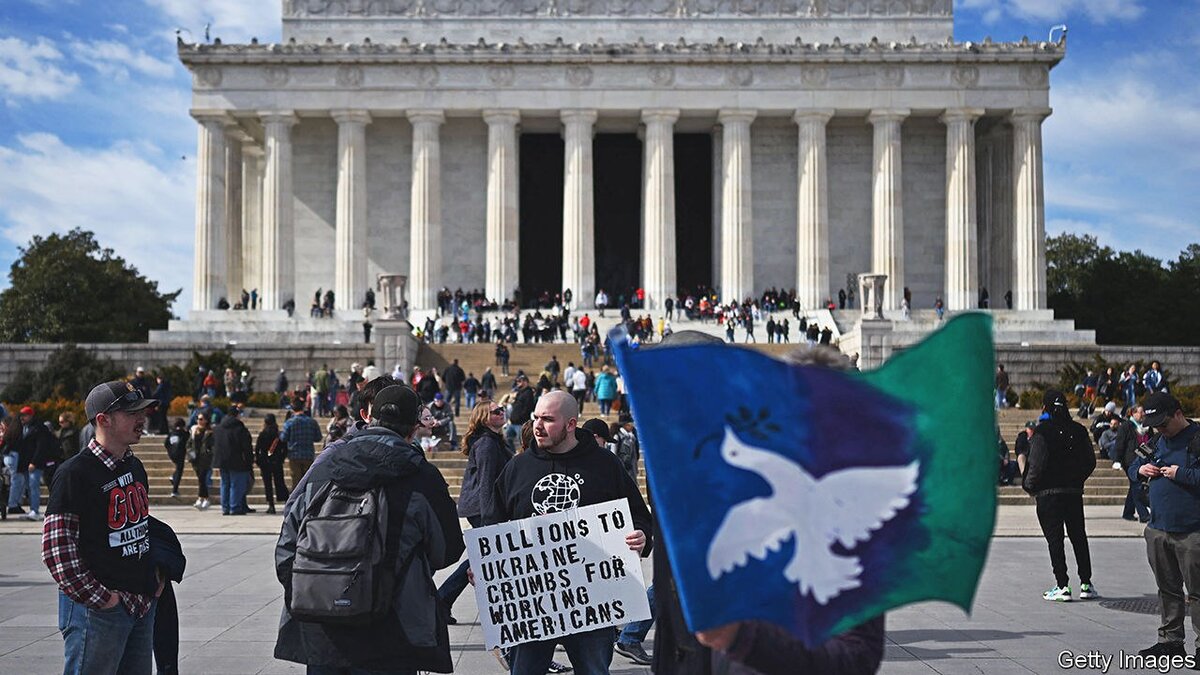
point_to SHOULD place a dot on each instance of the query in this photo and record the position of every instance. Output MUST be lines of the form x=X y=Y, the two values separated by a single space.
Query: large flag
x=818 y=499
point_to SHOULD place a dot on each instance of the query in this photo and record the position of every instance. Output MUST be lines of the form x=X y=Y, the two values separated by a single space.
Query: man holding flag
x=838 y=498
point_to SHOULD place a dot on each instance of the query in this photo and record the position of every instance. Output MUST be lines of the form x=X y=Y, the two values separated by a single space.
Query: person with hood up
x=413 y=635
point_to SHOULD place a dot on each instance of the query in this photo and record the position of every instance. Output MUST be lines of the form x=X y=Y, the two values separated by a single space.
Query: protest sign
x=562 y=573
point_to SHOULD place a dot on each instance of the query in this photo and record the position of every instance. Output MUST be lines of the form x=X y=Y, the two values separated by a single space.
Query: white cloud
x=28 y=70
x=1098 y=11
x=233 y=21
x=118 y=60
x=139 y=208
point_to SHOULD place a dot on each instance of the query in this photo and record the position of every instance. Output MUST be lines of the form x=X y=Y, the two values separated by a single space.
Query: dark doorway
x=617 y=167
x=693 y=211
x=541 y=209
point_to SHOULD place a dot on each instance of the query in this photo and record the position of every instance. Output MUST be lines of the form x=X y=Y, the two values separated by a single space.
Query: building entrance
x=617 y=164
x=540 y=214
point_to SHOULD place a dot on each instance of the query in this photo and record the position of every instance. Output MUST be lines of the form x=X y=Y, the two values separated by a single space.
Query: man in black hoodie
x=1061 y=458
x=413 y=636
x=572 y=455
x=233 y=454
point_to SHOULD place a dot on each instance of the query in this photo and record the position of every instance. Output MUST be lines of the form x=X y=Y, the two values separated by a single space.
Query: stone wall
x=264 y=360
x=924 y=165
x=389 y=177
x=849 y=149
x=464 y=202
x=773 y=183
x=1040 y=363
x=315 y=144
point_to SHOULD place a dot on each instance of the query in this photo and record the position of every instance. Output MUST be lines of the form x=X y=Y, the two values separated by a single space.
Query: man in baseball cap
x=113 y=396
x=1159 y=408
x=96 y=541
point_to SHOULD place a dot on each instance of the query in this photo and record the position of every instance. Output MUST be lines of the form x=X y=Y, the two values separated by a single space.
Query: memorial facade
x=585 y=144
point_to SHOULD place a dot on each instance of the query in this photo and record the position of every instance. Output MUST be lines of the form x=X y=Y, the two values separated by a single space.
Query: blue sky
x=95 y=132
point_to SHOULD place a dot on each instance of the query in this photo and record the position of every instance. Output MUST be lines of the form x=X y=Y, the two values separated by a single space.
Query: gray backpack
x=345 y=566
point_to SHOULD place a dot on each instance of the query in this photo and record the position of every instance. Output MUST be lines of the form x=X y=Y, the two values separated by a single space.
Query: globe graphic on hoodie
x=555 y=492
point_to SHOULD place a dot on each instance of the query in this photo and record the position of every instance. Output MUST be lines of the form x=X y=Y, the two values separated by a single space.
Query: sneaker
x=1117 y=465
x=199 y=501
x=1088 y=592
x=33 y=515
x=1164 y=649
x=203 y=504
x=556 y=667
x=174 y=495
x=1058 y=594
x=634 y=652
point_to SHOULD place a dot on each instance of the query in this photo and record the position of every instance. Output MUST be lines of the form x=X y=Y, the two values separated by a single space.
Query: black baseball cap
x=110 y=396
x=395 y=404
x=1159 y=407
x=597 y=427
x=1054 y=400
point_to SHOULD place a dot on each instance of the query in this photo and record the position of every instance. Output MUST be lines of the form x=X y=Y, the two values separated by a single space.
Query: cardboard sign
x=562 y=573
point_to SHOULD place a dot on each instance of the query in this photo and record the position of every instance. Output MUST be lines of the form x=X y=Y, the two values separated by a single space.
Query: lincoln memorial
x=585 y=144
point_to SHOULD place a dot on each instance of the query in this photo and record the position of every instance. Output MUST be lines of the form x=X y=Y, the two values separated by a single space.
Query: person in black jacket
x=1061 y=458
x=34 y=450
x=487 y=455
x=1137 y=499
x=522 y=407
x=269 y=454
x=453 y=377
x=233 y=454
x=413 y=636
x=176 y=444
x=569 y=452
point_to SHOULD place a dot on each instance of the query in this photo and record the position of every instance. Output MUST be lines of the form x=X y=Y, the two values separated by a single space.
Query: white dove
x=844 y=506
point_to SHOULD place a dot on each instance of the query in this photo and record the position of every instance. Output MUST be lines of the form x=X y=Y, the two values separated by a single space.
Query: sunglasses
x=135 y=395
x=498 y=411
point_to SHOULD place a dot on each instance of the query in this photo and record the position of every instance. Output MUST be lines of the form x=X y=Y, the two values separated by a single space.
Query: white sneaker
x=1058 y=594
x=1117 y=465
x=32 y=515
x=199 y=501
x=203 y=504
x=1088 y=592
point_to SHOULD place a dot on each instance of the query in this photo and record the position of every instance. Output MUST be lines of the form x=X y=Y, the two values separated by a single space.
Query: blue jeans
x=590 y=653
x=634 y=633
x=1001 y=398
x=23 y=483
x=105 y=641
x=233 y=490
x=472 y=398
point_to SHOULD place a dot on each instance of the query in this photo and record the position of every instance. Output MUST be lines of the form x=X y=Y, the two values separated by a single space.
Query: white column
x=579 y=217
x=252 y=181
x=234 y=218
x=1029 y=212
x=887 y=205
x=962 y=266
x=425 y=271
x=208 y=280
x=503 y=236
x=812 y=212
x=278 y=213
x=658 y=204
x=737 y=242
x=350 y=249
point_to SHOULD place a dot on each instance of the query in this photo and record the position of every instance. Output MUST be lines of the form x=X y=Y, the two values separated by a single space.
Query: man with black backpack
x=358 y=550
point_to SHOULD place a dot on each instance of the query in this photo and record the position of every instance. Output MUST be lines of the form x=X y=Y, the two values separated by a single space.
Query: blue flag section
x=817 y=499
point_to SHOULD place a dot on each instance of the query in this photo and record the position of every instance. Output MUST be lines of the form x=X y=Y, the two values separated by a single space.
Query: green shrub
x=263 y=399
x=70 y=373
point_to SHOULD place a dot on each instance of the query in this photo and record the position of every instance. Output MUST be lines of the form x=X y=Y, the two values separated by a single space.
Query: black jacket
x=37 y=447
x=597 y=473
x=1127 y=443
x=233 y=449
x=414 y=636
x=1061 y=458
x=522 y=406
x=453 y=376
x=488 y=457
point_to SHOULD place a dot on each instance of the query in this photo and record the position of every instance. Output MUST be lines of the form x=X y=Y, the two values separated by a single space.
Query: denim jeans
x=1136 y=500
x=634 y=633
x=105 y=641
x=233 y=490
x=1001 y=398
x=472 y=397
x=590 y=653
x=22 y=483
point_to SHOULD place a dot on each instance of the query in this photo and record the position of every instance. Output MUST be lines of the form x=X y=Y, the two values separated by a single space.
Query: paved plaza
x=229 y=605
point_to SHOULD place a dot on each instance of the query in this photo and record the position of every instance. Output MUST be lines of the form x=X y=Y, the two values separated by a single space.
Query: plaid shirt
x=60 y=553
x=300 y=433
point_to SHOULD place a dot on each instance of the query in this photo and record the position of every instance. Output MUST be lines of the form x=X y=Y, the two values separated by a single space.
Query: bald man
x=595 y=475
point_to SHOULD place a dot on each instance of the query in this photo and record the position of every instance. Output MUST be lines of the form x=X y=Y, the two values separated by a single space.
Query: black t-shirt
x=114 y=512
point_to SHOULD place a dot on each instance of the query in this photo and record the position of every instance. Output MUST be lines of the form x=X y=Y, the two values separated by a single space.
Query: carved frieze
x=349 y=76
x=815 y=76
x=1034 y=75
x=662 y=76
x=501 y=76
x=579 y=76
x=427 y=76
x=891 y=75
x=616 y=8
x=966 y=76
x=740 y=76
x=276 y=76
x=208 y=76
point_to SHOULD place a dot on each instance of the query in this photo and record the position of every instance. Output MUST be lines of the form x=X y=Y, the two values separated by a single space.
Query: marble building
x=498 y=144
